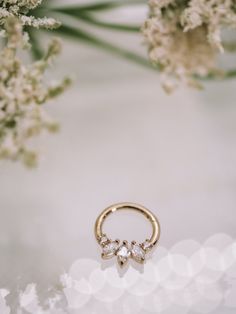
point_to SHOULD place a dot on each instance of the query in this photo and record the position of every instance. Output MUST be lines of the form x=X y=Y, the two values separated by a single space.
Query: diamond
x=138 y=253
x=103 y=239
x=146 y=245
x=123 y=252
x=122 y=255
x=110 y=249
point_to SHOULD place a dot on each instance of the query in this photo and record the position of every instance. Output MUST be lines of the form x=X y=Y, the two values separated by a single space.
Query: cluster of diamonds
x=123 y=251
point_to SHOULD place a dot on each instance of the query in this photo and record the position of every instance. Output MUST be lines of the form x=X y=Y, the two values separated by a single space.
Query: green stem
x=230 y=74
x=78 y=34
x=87 y=38
x=105 y=5
x=37 y=51
x=113 y=26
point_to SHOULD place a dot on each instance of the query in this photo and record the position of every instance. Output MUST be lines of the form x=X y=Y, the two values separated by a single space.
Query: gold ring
x=123 y=250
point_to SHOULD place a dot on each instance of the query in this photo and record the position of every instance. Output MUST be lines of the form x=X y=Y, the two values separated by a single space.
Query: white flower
x=22 y=94
x=184 y=38
x=20 y=9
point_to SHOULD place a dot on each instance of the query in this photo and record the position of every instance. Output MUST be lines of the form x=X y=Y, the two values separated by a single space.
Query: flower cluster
x=20 y=9
x=184 y=37
x=22 y=94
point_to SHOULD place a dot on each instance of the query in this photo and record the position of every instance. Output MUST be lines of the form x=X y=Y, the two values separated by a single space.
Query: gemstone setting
x=103 y=240
x=124 y=251
x=146 y=245
x=110 y=249
x=123 y=254
x=138 y=254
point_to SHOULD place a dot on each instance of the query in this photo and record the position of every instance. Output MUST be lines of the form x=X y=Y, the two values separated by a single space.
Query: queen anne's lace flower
x=184 y=37
x=22 y=93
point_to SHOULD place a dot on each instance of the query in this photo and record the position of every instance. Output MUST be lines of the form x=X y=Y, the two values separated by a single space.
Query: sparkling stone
x=103 y=239
x=123 y=252
x=138 y=253
x=146 y=245
x=110 y=249
x=123 y=255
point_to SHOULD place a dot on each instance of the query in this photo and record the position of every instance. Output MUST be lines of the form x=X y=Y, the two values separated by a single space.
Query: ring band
x=123 y=250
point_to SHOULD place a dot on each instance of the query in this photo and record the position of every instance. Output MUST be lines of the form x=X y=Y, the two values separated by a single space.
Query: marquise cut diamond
x=110 y=249
x=123 y=252
x=138 y=253
x=122 y=255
